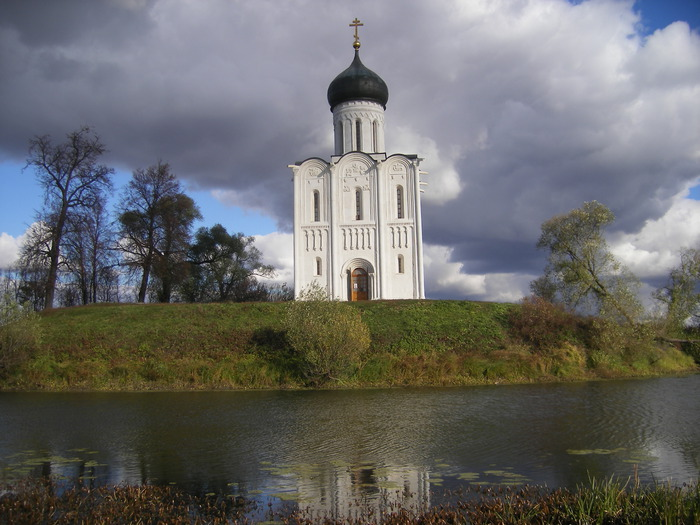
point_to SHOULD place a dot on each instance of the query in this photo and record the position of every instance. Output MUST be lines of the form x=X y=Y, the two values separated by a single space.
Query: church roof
x=357 y=82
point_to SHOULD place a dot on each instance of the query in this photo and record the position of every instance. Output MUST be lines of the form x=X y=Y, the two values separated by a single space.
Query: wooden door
x=359 y=285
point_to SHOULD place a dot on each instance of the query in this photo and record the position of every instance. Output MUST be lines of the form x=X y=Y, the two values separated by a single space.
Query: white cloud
x=447 y=278
x=654 y=250
x=9 y=249
x=444 y=277
x=443 y=181
x=278 y=250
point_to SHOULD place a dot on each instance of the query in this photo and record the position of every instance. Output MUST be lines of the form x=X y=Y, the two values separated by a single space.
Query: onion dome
x=357 y=83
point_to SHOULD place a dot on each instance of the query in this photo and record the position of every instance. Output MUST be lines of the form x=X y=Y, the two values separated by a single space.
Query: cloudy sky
x=522 y=109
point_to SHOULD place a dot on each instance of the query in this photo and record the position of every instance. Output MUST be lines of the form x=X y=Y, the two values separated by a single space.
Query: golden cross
x=356 y=23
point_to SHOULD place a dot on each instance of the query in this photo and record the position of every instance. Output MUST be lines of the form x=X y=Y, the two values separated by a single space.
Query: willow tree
x=72 y=180
x=581 y=272
x=681 y=294
x=224 y=267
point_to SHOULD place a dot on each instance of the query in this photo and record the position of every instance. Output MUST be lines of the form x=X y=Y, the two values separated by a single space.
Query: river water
x=326 y=449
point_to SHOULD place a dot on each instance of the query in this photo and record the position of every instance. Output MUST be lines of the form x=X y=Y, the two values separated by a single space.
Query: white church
x=357 y=218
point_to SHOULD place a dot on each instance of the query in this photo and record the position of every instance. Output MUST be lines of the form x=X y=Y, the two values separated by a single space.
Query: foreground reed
x=600 y=502
x=46 y=502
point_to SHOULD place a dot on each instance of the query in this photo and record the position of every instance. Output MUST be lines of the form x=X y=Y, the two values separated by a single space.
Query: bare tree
x=89 y=257
x=72 y=180
x=33 y=265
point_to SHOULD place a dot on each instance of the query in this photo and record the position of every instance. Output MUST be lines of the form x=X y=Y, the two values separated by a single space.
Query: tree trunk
x=144 y=282
x=54 y=257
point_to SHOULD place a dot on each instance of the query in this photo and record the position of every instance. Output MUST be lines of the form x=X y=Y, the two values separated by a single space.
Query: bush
x=623 y=342
x=543 y=325
x=19 y=334
x=328 y=336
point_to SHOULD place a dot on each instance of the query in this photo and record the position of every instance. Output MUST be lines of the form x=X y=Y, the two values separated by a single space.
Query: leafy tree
x=155 y=227
x=681 y=294
x=329 y=336
x=225 y=267
x=170 y=267
x=72 y=180
x=581 y=272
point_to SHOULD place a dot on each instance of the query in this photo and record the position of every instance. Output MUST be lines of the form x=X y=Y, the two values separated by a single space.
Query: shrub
x=328 y=336
x=542 y=324
x=19 y=334
x=623 y=342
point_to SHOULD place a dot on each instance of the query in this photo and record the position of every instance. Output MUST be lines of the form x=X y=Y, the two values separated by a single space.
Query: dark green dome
x=357 y=83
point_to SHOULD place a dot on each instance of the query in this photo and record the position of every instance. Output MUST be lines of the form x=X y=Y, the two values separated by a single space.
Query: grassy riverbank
x=607 y=501
x=243 y=345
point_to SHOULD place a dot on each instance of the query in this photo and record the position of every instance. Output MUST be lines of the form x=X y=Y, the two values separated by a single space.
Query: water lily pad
x=594 y=451
x=286 y=496
x=496 y=473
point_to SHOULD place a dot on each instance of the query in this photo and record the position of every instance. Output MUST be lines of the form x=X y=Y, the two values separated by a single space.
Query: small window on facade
x=358 y=134
x=400 y=263
x=399 y=202
x=358 y=204
x=317 y=206
x=318 y=266
x=375 y=136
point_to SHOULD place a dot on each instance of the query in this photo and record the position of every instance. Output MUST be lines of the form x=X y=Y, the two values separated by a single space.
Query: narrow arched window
x=375 y=136
x=400 y=264
x=317 y=206
x=358 y=204
x=339 y=136
x=318 y=266
x=358 y=134
x=399 y=202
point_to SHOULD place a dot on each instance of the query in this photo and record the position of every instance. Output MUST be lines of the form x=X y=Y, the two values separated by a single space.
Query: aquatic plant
x=607 y=501
x=47 y=502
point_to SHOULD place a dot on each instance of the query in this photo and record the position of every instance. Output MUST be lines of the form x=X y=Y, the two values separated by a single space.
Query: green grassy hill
x=243 y=345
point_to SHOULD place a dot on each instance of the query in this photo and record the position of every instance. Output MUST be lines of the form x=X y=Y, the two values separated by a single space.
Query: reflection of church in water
x=357 y=218
x=357 y=491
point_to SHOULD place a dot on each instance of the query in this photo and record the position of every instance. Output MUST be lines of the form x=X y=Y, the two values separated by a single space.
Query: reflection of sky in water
x=329 y=448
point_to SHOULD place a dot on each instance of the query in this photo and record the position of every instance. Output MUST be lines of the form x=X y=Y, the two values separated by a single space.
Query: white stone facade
x=357 y=218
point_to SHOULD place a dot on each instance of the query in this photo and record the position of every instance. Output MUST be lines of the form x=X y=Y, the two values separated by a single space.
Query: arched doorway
x=359 y=285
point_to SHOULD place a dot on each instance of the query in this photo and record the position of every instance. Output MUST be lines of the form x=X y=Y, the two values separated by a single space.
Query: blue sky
x=21 y=195
x=521 y=111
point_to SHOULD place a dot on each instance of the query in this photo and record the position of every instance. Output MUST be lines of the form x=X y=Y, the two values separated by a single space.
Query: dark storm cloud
x=42 y=24
x=522 y=110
